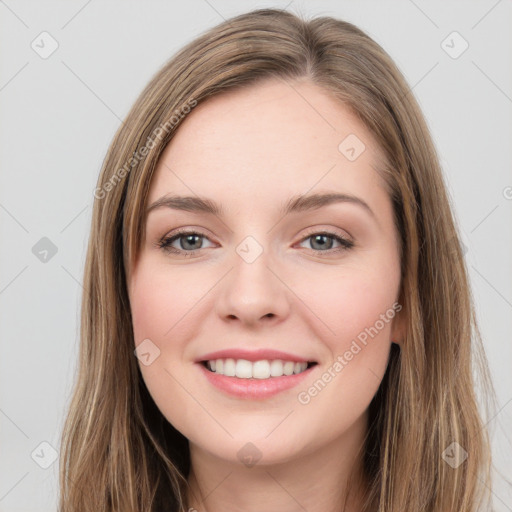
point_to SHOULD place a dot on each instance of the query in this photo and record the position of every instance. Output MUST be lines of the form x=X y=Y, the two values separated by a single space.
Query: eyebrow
x=295 y=204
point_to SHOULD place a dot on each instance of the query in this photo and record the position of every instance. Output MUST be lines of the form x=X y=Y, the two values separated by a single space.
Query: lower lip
x=254 y=389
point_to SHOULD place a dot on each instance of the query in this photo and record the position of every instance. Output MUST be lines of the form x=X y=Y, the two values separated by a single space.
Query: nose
x=253 y=293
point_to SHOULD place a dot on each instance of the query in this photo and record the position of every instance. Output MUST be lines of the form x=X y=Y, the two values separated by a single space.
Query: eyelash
x=165 y=242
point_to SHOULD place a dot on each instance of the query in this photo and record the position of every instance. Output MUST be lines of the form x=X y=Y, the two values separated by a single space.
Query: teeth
x=288 y=367
x=264 y=369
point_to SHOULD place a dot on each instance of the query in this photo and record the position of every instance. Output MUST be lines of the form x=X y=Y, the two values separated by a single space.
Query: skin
x=251 y=150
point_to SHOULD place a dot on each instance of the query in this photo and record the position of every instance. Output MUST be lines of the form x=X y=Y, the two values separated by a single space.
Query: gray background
x=59 y=114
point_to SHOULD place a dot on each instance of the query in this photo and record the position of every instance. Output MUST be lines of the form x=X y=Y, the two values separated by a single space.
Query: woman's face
x=318 y=283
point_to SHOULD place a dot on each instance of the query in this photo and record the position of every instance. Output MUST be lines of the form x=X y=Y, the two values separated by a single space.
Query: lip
x=254 y=389
x=253 y=355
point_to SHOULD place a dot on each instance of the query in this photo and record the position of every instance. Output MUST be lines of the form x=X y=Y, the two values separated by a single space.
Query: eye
x=189 y=241
x=320 y=242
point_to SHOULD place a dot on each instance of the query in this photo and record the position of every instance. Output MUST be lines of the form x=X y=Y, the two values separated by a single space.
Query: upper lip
x=252 y=355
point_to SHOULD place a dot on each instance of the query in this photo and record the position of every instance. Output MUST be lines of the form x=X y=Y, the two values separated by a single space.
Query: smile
x=266 y=378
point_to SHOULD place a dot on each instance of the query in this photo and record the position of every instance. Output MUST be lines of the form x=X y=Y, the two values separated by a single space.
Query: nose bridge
x=251 y=291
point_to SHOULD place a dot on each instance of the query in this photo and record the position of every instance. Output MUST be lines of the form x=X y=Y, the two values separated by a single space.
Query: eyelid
x=187 y=231
x=331 y=231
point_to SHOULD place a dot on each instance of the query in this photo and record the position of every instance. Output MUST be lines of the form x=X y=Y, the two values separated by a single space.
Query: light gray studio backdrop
x=70 y=72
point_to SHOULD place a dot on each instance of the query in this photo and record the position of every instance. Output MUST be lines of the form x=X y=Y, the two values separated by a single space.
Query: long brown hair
x=118 y=452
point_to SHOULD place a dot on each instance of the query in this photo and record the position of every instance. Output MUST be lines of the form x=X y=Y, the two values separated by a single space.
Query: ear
x=398 y=327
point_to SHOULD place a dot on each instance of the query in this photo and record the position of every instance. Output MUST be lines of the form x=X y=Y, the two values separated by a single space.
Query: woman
x=276 y=311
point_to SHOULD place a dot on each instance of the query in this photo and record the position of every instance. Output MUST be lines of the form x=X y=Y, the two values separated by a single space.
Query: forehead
x=269 y=140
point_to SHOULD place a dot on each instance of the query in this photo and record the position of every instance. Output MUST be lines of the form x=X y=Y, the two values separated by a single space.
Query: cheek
x=150 y=306
x=161 y=312
x=355 y=309
x=350 y=300
x=160 y=299
x=358 y=306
